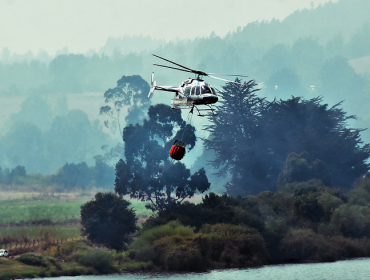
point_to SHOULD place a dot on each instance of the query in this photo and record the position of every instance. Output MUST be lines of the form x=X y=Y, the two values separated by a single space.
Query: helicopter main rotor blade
x=173 y=63
x=227 y=75
x=225 y=80
x=173 y=68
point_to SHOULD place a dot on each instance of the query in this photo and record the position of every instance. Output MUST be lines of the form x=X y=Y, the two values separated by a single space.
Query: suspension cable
x=188 y=120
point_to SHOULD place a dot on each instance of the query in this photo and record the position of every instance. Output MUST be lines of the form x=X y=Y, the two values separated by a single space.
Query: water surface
x=343 y=270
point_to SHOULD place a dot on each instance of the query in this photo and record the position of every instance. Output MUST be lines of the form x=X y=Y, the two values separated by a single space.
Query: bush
x=179 y=253
x=237 y=246
x=108 y=220
x=352 y=220
x=101 y=260
x=304 y=245
x=55 y=263
x=32 y=259
x=142 y=246
x=329 y=203
x=67 y=249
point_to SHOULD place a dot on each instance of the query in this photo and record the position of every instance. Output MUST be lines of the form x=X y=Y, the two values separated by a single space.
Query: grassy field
x=55 y=209
x=38 y=216
x=38 y=232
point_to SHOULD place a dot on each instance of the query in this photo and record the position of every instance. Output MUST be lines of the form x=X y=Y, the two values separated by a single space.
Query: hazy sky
x=81 y=25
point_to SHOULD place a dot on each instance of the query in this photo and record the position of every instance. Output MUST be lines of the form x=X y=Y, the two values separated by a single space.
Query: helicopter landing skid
x=212 y=113
x=210 y=110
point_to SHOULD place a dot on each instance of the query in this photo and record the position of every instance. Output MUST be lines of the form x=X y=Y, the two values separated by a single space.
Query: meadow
x=27 y=216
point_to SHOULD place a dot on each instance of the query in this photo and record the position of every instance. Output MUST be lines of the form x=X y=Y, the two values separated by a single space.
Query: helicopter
x=192 y=92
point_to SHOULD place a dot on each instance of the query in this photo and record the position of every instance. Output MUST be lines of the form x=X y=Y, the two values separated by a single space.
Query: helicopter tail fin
x=153 y=84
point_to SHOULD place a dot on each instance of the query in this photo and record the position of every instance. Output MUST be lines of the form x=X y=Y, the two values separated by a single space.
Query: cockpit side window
x=206 y=89
x=187 y=90
x=192 y=91
x=197 y=90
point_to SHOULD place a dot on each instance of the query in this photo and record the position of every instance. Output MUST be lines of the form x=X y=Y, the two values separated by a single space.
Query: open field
x=58 y=207
x=15 y=211
x=27 y=218
x=38 y=232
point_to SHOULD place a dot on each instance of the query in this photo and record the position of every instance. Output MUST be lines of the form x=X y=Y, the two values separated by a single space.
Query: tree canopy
x=108 y=220
x=252 y=137
x=147 y=173
x=130 y=90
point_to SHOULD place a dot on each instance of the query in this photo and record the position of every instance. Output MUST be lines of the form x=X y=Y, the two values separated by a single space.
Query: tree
x=103 y=173
x=73 y=175
x=233 y=135
x=252 y=138
x=299 y=168
x=130 y=91
x=68 y=73
x=147 y=173
x=298 y=125
x=108 y=220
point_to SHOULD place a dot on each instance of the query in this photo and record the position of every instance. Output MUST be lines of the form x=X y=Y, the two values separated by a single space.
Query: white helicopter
x=192 y=92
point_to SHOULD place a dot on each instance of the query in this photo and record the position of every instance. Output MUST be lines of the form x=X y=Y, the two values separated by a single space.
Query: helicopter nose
x=210 y=99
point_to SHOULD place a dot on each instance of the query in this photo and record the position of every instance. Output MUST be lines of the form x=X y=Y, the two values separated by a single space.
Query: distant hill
x=322 y=23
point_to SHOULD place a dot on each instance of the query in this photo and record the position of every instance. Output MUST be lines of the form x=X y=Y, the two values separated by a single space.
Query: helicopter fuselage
x=193 y=92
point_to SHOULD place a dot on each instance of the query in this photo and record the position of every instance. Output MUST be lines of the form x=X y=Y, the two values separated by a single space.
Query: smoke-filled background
x=58 y=58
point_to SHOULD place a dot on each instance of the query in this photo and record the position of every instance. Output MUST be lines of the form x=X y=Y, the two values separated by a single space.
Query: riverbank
x=340 y=270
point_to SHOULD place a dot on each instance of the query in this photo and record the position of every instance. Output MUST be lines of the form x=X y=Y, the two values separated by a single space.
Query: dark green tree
x=103 y=174
x=15 y=174
x=73 y=175
x=298 y=125
x=252 y=138
x=299 y=168
x=147 y=172
x=233 y=138
x=108 y=220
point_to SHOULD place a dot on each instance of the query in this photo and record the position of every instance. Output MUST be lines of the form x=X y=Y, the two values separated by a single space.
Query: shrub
x=179 y=253
x=32 y=259
x=360 y=194
x=329 y=203
x=237 y=246
x=101 y=260
x=108 y=220
x=55 y=263
x=304 y=245
x=142 y=246
x=69 y=248
x=352 y=220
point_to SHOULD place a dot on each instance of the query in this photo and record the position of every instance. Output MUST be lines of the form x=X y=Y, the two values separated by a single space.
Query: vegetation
x=108 y=221
x=147 y=173
x=299 y=190
x=252 y=137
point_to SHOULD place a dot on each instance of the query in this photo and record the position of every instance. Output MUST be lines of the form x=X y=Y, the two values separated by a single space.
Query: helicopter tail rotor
x=153 y=84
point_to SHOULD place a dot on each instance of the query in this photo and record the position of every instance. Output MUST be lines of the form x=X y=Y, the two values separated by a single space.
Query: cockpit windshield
x=206 y=89
x=197 y=90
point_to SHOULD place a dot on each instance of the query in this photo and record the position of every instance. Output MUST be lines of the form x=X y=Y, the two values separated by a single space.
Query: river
x=358 y=269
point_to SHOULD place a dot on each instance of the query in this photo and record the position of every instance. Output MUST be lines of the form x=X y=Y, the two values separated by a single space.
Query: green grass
x=54 y=210
x=35 y=232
